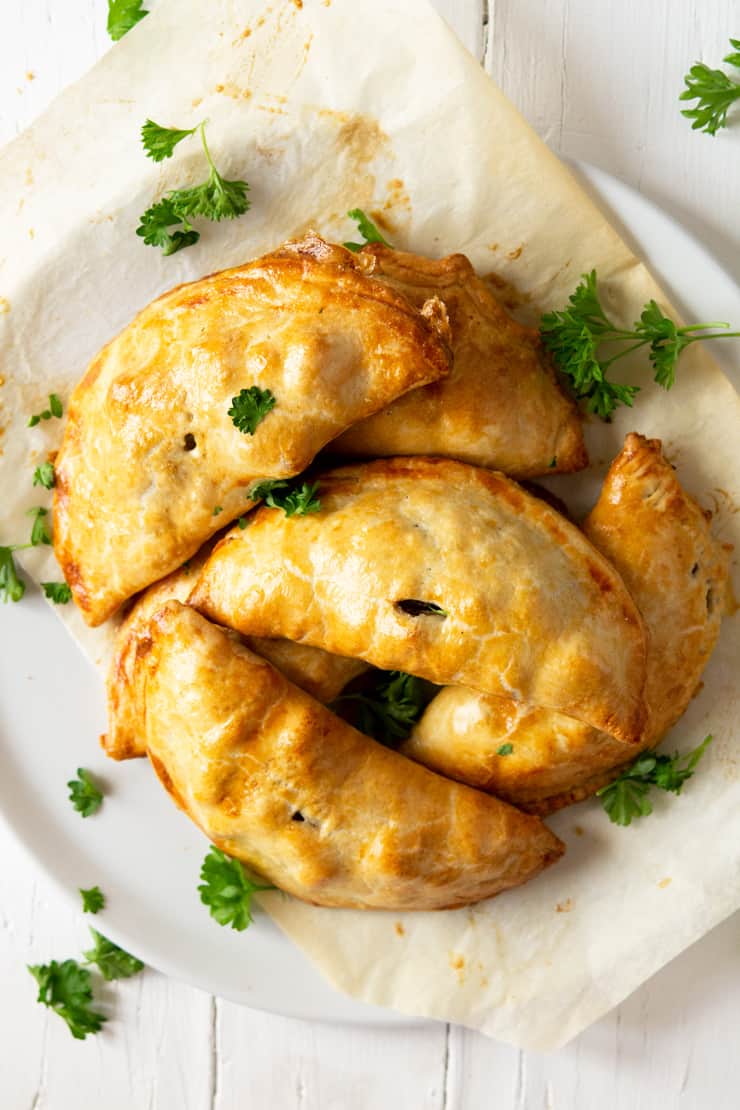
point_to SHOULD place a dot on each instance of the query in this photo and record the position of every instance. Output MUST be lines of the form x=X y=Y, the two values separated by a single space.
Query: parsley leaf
x=84 y=794
x=293 y=500
x=390 y=709
x=112 y=962
x=627 y=797
x=58 y=592
x=123 y=15
x=160 y=142
x=227 y=890
x=367 y=230
x=574 y=337
x=155 y=225
x=216 y=198
x=66 y=988
x=44 y=475
x=505 y=749
x=12 y=588
x=714 y=92
x=39 y=529
x=250 y=407
x=55 y=409
x=93 y=900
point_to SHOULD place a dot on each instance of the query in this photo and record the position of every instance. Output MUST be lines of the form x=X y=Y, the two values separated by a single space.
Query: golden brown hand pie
x=658 y=538
x=152 y=464
x=277 y=781
x=324 y=676
x=500 y=407
x=445 y=571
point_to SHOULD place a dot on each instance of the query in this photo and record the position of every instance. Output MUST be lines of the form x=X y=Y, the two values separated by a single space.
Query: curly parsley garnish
x=293 y=499
x=84 y=795
x=714 y=92
x=576 y=335
x=227 y=890
x=55 y=409
x=122 y=16
x=627 y=797
x=367 y=230
x=40 y=533
x=250 y=407
x=66 y=988
x=58 y=592
x=44 y=475
x=93 y=899
x=216 y=198
x=111 y=961
x=389 y=710
x=12 y=587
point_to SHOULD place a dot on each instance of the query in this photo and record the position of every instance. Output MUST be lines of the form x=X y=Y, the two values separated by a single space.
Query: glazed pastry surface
x=152 y=464
x=279 y=782
x=445 y=571
x=501 y=406
x=324 y=676
x=659 y=540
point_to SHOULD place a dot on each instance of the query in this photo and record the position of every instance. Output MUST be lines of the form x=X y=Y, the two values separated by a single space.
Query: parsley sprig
x=227 y=890
x=250 y=407
x=66 y=988
x=367 y=230
x=84 y=794
x=55 y=409
x=58 y=592
x=576 y=336
x=389 y=710
x=714 y=92
x=111 y=961
x=123 y=15
x=627 y=797
x=93 y=899
x=216 y=198
x=12 y=586
x=44 y=475
x=294 y=500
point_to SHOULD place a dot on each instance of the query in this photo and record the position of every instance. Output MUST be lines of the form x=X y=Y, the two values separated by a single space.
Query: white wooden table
x=599 y=82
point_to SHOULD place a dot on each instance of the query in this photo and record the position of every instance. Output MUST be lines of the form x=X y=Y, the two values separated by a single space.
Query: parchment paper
x=323 y=106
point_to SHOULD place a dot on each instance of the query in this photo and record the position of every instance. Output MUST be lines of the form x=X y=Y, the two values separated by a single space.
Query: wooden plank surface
x=599 y=82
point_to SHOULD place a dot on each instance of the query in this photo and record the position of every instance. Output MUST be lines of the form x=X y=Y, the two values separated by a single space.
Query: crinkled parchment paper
x=323 y=106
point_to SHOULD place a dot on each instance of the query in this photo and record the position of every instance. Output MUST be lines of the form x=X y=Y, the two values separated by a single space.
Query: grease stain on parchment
x=4 y=306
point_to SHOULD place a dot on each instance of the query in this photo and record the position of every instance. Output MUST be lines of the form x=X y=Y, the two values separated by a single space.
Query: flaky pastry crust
x=152 y=465
x=278 y=781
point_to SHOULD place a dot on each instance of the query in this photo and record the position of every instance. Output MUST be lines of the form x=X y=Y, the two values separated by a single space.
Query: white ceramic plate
x=139 y=849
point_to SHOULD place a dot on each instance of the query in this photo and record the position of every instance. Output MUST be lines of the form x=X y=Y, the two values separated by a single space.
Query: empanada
x=445 y=571
x=152 y=464
x=658 y=538
x=324 y=676
x=501 y=406
x=277 y=781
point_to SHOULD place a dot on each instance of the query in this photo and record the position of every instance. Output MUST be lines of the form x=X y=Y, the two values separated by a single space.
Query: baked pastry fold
x=322 y=675
x=500 y=407
x=659 y=539
x=278 y=781
x=152 y=463
x=445 y=571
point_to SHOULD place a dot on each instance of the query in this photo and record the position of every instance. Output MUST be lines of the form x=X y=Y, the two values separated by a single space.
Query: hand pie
x=445 y=571
x=659 y=540
x=152 y=464
x=277 y=781
x=324 y=676
x=501 y=406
